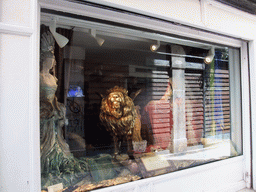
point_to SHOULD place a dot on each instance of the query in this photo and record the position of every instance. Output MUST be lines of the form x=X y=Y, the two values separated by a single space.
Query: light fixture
x=60 y=39
x=154 y=47
x=99 y=40
x=208 y=59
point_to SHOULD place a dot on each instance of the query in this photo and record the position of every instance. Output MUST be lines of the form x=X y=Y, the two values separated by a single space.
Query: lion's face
x=115 y=100
x=116 y=104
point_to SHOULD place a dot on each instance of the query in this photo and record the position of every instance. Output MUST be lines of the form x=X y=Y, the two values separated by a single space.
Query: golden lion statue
x=118 y=114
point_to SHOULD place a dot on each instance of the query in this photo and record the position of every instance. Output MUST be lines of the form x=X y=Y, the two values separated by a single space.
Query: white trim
x=29 y=100
x=246 y=116
x=34 y=114
x=170 y=28
x=15 y=29
x=46 y=3
x=203 y=3
x=202 y=26
x=230 y=9
x=137 y=21
x=232 y=187
x=203 y=11
x=252 y=68
x=109 y=30
x=202 y=173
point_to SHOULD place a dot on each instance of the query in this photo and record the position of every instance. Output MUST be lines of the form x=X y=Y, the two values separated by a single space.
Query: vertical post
x=179 y=140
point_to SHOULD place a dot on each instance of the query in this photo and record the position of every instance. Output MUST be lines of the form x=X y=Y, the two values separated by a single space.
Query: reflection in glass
x=180 y=109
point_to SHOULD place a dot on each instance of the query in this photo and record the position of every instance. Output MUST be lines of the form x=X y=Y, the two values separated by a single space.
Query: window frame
x=241 y=163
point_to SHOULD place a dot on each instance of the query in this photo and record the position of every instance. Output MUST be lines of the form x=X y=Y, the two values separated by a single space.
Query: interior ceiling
x=244 y=5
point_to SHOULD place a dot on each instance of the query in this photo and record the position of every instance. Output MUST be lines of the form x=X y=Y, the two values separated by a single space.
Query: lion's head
x=117 y=108
x=117 y=103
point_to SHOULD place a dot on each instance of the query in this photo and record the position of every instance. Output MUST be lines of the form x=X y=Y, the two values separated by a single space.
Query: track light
x=154 y=47
x=99 y=40
x=60 y=39
x=208 y=59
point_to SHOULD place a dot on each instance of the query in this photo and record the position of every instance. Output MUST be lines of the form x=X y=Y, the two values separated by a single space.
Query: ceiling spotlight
x=99 y=40
x=154 y=47
x=60 y=39
x=208 y=59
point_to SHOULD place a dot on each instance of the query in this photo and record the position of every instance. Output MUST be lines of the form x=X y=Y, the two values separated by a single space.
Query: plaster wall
x=19 y=116
x=205 y=14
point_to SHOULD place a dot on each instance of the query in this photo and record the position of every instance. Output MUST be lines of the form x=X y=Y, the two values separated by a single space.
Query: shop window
x=115 y=110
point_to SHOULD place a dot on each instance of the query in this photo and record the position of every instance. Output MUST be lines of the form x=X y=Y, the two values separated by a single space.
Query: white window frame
x=229 y=174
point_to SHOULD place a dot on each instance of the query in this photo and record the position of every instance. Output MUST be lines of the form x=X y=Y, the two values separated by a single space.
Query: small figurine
x=118 y=114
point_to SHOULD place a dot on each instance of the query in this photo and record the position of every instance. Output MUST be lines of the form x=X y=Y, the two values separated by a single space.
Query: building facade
x=186 y=31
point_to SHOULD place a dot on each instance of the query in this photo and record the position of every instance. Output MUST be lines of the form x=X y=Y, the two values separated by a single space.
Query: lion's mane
x=122 y=124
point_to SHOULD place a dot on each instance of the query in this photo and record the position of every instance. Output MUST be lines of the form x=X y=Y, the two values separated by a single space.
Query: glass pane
x=115 y=110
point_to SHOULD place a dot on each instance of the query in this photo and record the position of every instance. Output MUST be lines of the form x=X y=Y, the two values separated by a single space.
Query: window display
x=119 y=105
x=56 y=158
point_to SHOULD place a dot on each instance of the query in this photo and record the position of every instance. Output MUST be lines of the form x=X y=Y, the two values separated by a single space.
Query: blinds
x=194 y=105
x=207 y=102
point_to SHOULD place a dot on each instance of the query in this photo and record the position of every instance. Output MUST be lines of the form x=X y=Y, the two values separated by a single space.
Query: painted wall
x=205 y=14
x=19 y=135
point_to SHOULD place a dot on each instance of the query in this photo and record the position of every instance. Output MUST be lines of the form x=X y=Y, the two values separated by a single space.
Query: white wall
x=19 y=132
x=205 y=14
